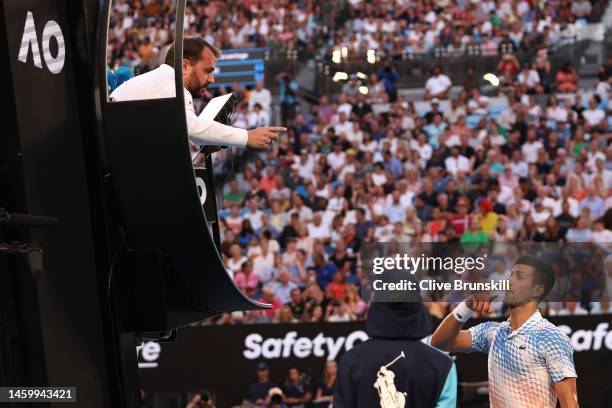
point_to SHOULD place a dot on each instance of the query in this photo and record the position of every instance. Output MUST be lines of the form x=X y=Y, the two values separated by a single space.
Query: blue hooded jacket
x=394 y=368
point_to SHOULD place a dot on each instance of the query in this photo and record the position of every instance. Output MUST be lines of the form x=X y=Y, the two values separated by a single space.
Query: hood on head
x=405 y=320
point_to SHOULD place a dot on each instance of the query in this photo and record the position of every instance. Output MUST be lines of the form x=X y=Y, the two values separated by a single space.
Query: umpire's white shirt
x=158 y=84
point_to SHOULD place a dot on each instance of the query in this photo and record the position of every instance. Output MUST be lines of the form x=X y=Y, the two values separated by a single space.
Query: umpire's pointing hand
x=264 y=137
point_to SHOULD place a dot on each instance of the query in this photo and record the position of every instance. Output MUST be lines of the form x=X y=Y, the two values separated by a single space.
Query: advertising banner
x=223 y=359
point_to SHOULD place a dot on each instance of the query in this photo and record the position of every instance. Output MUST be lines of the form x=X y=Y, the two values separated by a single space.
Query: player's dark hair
x=543 y=275
x=192 y=50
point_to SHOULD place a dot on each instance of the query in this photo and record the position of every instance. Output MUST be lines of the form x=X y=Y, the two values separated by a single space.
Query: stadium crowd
x=539 y=170
x=397 y=28
x=532 y=163
x=139 y=30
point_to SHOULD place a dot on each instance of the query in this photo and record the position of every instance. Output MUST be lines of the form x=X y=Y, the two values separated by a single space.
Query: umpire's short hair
x=544 y=274
x=192 y=50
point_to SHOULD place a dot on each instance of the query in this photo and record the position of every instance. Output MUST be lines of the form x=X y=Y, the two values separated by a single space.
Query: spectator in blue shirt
x=288 y=87
x=434 y=130
x=393 y=164
x=363 y=227
x=580 y=233
x=117 y=77
x=388 y=75
x=595 y=204
x=395 y=211
x=423 y=210
x=283 y=287
x=325 y=271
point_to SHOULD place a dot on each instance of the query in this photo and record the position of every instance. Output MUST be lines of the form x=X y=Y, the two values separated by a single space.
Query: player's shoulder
x=545 y=325
x=548 y=333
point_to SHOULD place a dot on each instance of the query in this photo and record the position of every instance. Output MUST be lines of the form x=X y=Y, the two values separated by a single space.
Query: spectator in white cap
x=435 y=110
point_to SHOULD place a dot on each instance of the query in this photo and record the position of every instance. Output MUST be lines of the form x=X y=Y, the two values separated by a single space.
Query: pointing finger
x=277 y=129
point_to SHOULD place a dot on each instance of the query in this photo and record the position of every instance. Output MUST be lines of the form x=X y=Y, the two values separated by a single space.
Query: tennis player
x=531 y=361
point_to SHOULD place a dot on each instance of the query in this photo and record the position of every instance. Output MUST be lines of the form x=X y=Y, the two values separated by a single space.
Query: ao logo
x=29 y=40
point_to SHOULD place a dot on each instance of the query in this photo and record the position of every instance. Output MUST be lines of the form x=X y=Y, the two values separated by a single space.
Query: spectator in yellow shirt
x=486 y=216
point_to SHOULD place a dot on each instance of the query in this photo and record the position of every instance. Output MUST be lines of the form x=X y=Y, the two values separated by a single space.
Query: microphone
x=25 y=220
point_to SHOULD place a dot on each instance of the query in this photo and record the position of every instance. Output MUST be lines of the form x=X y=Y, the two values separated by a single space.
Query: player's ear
x=537 y=291
x=186 y=65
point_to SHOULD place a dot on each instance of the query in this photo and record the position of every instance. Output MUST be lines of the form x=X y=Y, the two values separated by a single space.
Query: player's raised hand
x=481 y=302
x=264 y=137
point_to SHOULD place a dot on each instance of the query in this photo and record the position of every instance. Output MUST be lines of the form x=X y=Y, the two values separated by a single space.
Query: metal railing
x=414 y=69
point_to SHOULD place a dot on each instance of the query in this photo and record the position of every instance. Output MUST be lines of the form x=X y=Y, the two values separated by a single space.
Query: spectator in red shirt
x=268 y=183
x=567 y=79
x=269 y=297
x=461 y=220
x=437 y=223
x=337 y=286
x=508 y=68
